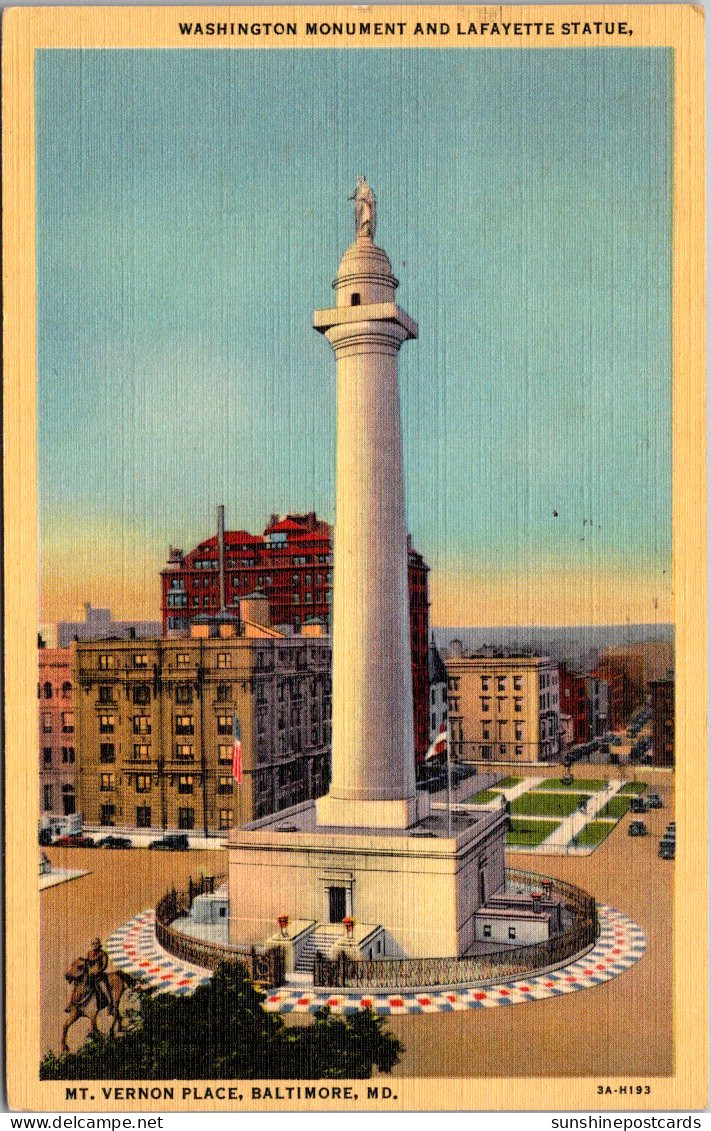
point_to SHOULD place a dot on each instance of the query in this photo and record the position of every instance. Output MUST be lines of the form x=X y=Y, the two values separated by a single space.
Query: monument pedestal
x=421 y=886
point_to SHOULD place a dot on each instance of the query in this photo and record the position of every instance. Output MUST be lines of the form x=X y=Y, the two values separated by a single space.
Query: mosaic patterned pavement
x=621 y=943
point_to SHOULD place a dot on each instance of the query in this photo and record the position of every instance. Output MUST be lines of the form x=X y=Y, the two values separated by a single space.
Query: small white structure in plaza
x=371 y=852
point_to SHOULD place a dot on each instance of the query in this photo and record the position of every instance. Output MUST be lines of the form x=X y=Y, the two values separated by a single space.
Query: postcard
x=355 y=634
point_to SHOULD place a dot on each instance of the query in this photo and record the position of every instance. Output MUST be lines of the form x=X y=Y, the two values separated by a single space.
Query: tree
x=221 y=1032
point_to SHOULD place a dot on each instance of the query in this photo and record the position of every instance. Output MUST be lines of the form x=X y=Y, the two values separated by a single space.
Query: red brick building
x=574 y=702
x=56 y=731
x=662 y=692
x=292 y=563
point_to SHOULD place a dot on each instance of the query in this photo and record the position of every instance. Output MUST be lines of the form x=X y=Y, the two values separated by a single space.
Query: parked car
x=74 y=840
x=176 y=843
x=115 y=842
x=654 y=801
x=45 y=837
x=667 y=851
x=637 y=828
x=638 y=805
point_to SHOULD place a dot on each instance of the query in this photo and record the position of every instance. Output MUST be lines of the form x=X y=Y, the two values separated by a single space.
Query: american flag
x=236 y=751
x=439 y=743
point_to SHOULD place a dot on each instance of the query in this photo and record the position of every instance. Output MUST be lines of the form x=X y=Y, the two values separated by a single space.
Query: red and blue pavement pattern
x=134 y=949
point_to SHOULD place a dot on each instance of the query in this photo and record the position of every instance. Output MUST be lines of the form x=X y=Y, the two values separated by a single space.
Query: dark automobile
x=177 y=843
x=637 y=828
x=74 y=840
x=45 y=837
x=667 y=851
x=115 y=842
x=654 y=801
x=638 y=805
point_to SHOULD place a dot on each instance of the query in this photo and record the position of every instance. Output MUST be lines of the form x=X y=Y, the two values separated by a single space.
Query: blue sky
x=192 y=209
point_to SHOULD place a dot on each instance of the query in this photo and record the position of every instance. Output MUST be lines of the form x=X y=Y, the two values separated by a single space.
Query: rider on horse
x=97 y=962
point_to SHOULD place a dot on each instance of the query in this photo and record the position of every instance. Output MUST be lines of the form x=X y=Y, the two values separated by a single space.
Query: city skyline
x=177 y=273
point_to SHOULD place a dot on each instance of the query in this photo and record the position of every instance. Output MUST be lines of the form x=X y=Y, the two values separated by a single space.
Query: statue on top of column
x=364 y=208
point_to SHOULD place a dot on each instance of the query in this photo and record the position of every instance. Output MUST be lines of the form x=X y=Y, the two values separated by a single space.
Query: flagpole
x=449 y=789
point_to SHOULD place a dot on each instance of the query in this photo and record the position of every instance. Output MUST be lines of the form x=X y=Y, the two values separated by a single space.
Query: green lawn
x=590 y=785
x=616 y=807
x=547 y=804
x=634 y=787
x=481 y=797
x=506 y=783
x=594 y=833
x=530 y=833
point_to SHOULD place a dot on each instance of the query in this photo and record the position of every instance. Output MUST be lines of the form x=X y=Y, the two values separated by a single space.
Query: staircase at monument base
x=322 y=938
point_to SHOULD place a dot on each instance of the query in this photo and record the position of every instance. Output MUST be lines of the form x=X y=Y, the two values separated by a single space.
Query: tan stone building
x=155 y=722
x=503 y=708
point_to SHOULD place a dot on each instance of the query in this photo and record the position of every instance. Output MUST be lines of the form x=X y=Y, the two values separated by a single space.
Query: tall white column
x=373 y=769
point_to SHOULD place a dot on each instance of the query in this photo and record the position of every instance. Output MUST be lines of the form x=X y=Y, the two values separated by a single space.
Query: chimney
x=221 y=553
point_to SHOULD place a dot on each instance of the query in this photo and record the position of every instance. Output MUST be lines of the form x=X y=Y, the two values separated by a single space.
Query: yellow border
x=676 y=26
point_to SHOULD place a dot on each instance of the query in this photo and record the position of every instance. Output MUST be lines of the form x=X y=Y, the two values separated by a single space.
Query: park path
x=576 y=822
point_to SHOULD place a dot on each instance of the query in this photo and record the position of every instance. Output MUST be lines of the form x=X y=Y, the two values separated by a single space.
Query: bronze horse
x=82 y=1000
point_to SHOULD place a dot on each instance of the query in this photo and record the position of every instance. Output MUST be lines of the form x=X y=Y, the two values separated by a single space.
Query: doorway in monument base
x=336 y=904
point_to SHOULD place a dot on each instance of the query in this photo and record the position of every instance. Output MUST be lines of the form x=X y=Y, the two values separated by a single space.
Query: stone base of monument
x=421 y=885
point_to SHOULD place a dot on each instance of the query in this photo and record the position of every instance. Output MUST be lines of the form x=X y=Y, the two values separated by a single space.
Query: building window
x=47 y=755
x=487 y=930
x=184 y=724
x=518 y=683
x=141 y=752
x=48 y=690
x=185 y=783
x=107 y=752
x=224 y=754
x=66 y=690
x=501 y=683
x=184 y=752
x=141 y=724
x=485 y=682
x=486 y=753
x=67 y=722
x=186 y=818
x=107 y=782
x=224 y=692
x=143 y=783
x=143 y=816
x=224 y=724
x=183 y=694
x=108 y=813
x=224 y=785
x=518 y=703
x=502 y=750
x=141 y=694
x=355 y=299
x=519 y=751
x=46 y=723
x=106 y=661
x=224 y=660
x=106 y=693
x=512 y=932
x=226 y=819
x=106 y=724
x=486 y=731
x=140 y=660
x=485 y=705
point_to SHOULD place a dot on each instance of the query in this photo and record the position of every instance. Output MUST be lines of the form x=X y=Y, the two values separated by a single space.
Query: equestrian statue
x=93 y=989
